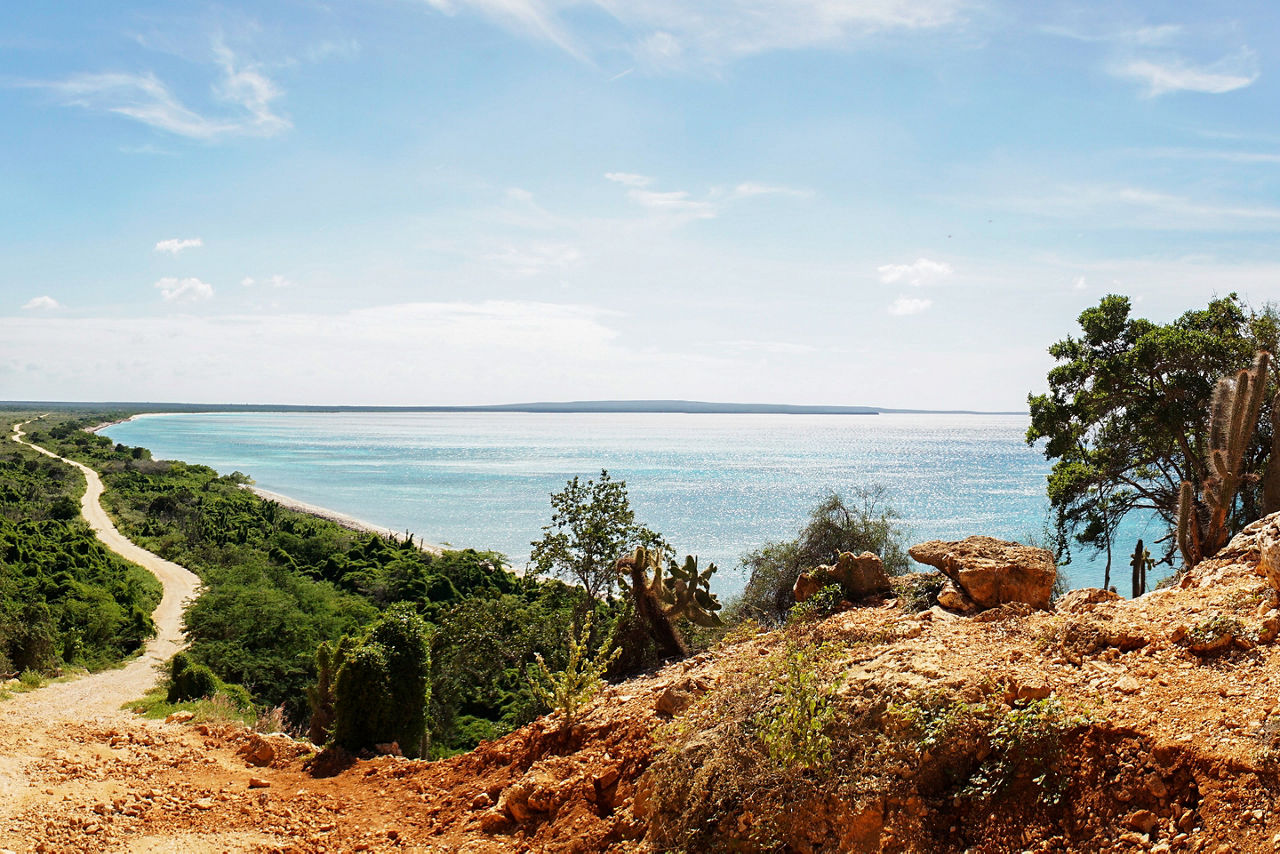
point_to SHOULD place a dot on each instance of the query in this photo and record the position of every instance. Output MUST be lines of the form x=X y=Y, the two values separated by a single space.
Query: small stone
x=259 y=783
x=1128 y=685
x=204 y=804
x=179 y=717
x=1143 y=821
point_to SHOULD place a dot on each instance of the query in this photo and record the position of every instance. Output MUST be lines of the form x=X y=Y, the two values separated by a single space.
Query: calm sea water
x=715 y=485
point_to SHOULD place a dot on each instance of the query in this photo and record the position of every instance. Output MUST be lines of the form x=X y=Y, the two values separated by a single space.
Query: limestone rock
x=258 y=751
x=1084 y=599
x=1269 y=555
x=953 y=598
x=858 y=575
x=992 y=572
x=180 y=717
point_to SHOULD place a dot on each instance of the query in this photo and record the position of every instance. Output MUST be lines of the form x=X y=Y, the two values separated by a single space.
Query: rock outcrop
x=987 y=572
x=858 y=575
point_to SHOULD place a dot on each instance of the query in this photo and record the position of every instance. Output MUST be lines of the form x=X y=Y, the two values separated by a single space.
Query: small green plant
x=819 y=606
x=29 y=680
x=933 y=719
x=794 y=728
x=569 y=690
x=1028 y=740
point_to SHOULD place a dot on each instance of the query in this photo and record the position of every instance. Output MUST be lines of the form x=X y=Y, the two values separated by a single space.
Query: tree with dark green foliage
x=382 y=688
x=592 y=525
x=1126 y=422
x=835 y=526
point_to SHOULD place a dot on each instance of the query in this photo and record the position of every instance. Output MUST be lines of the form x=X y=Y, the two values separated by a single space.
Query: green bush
x=382 y=690
x=189 y=680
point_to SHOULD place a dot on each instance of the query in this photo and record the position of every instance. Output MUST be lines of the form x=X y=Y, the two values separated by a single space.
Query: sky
x=896 y=203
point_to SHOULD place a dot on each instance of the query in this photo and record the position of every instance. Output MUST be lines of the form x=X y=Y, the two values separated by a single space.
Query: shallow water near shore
x=715 y=485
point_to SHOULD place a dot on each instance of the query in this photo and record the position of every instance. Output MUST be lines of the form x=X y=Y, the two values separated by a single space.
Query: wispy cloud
x=676 y=33
x=1139 y=207
x=1174 y=74
x=629 y=179
x=275 y=281
x=174 y=245
x=751 y=188
x=184 y=290
x=44 y=303
x=535 y=259
x=145 y=98
x=921 y=272
x=905 y=305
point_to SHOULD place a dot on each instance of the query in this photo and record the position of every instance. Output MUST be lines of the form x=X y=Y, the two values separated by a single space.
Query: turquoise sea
x=715 y=485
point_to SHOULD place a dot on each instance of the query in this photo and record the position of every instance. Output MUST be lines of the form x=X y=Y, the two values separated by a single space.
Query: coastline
x=351 y=523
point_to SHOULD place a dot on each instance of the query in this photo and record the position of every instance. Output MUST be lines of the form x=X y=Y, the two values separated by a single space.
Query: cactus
x=687 y=595
x=1233 y=418
x=320 y=696
x=1188 y=525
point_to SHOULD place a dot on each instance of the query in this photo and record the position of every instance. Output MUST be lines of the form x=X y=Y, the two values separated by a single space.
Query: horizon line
x=621 y=406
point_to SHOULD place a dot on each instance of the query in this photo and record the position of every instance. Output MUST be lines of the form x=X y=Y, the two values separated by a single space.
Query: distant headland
x=692 y=407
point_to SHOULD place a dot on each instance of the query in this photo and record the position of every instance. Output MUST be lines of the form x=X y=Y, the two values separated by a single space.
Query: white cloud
x=922 y=272
x=905 y=305
x=675 y=202
x=750 y=188
x=145 y=98
x=629 y=179
x=184 y=290
x=537 y=258
x=175 y=245
x=1174 y=74
x=1078 y=283
x=674 y=33
x=44 y=303
x=275 y=281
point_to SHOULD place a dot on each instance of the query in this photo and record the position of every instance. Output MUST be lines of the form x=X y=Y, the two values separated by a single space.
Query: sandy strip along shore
x=348 y=522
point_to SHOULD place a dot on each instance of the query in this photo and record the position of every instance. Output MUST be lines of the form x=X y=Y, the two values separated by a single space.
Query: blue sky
x=470 y=201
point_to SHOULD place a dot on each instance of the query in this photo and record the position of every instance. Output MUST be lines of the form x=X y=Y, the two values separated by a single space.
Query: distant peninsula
x=692 y=407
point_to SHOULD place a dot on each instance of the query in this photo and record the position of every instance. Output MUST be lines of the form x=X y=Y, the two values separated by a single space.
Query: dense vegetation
x=278 y=584
x=64 y=598
x=1126 y=418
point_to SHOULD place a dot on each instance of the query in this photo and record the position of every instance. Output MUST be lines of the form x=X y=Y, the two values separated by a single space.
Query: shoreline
x=351 y=523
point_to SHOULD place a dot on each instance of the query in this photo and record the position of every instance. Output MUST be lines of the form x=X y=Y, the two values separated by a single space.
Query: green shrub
x=189 y=680
x=794 y=728
x=570 y=689
x=382 y=688
x=819 y=606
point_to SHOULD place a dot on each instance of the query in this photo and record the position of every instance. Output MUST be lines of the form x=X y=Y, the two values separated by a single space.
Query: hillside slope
x=1145 y=725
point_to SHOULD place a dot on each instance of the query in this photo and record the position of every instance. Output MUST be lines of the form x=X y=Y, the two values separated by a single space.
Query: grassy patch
x=216 y=709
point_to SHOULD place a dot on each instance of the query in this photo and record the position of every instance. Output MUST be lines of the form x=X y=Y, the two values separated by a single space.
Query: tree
x=1126 y=415
x=865 y=524
x=592 y=525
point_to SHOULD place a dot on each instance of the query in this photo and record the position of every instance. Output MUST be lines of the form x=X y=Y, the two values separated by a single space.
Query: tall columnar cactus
x=1233 y=418
x=320 y=696
x=659 y=602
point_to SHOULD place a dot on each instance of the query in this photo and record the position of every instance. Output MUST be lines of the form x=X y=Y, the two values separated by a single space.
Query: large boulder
x=991 y=572
x=858 y=576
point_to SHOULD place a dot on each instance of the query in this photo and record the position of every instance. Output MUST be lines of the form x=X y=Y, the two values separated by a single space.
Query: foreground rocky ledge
x=1171 y=745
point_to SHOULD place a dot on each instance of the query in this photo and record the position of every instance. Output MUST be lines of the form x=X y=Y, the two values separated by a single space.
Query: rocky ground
x=1180 y=688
